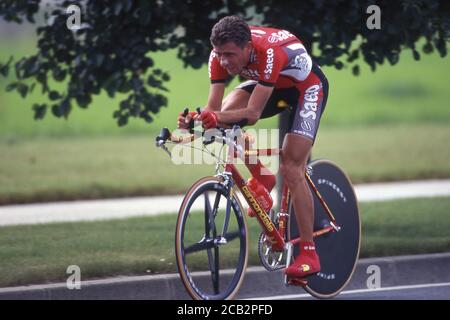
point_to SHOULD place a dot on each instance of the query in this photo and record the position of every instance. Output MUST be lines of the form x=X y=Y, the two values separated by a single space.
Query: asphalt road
x=414 y=277
x=431 y=291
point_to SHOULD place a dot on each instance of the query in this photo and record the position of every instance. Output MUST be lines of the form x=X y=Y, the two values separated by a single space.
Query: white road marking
x=307 y=295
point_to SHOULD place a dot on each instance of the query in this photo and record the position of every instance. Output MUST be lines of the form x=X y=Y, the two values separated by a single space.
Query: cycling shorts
x=306 y=103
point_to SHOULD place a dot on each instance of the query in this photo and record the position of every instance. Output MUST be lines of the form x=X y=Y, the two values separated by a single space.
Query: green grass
x=42 y=253
x=94 y=167
x=388 y=153
x=409 y=92
x=76 y=168
x=406 y=227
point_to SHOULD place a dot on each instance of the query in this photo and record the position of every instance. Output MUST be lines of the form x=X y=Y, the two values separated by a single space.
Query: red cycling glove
x=209 y=119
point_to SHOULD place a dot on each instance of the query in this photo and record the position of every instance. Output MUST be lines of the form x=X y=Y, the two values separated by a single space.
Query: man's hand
x=184 y=121
x=209 y=119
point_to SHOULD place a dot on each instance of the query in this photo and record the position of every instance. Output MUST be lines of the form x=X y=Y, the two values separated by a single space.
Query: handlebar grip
x=163 y=135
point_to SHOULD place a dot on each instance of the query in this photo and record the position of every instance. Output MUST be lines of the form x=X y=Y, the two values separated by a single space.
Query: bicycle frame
x=275 y=235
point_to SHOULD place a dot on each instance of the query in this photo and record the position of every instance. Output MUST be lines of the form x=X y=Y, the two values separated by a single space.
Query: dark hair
x=231 y=29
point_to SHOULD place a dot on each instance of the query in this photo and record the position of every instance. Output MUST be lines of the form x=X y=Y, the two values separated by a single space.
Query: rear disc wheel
x=338 y=251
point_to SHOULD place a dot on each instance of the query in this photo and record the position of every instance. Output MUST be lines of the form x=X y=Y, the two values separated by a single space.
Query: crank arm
x=290 y=251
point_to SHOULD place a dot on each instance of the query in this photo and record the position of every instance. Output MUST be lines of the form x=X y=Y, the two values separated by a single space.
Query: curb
x=394 y=271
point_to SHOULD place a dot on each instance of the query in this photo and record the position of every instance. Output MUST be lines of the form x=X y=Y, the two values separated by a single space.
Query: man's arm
x=216 y=92
x=252 y=113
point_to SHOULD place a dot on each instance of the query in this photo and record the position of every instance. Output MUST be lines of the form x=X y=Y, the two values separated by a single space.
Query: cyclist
x=281 y=75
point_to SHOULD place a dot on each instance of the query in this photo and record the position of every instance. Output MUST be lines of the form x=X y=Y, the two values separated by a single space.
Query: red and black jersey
x=278 y=59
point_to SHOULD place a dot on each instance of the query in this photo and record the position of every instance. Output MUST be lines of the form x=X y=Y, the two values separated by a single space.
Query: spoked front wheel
x=211 y=241
x=338 y=251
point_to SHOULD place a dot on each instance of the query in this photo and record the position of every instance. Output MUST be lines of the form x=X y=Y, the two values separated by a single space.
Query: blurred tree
x=112 y=48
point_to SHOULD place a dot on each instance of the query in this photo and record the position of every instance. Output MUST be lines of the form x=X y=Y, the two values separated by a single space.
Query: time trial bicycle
x=211 y=238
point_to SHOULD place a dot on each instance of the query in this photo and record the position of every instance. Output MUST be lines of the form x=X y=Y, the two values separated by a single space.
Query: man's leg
x=296 y=150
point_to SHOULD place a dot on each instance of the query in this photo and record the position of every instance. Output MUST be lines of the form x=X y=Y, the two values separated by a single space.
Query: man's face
x=232 y=57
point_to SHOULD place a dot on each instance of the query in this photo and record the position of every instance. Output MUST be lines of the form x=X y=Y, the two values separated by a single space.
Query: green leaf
x=4 y=70
x=136 y=109
x=23 y=89
x=116 y=114
x=62 y=110
x=124 y=86
x=31 y=66
x=339 y=65
x=353 y=56
x=427 y=48
x=11 y=58
x=153 y=82
x=12 y=86
x=59 y=74
x=39 y=111
x=84 y=100
x=147 y=117
x=65 y=108
x=393 y=57
x=123 y=120
x=124 y=105
x=54 y=95
x=56 y=111
x=111 y=91
x=441 y=46
x=166 y=77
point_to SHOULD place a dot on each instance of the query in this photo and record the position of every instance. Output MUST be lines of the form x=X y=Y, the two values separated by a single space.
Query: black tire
x=338 y=251
x=210 y=270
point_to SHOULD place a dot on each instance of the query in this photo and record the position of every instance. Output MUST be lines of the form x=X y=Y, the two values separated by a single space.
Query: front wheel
x=211 y=241
x=338 y=251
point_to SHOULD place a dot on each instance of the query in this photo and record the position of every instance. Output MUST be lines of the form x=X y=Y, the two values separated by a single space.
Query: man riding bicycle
x=280 y=73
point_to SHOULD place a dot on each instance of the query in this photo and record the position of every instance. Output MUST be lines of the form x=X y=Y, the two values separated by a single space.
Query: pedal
x=298 y=282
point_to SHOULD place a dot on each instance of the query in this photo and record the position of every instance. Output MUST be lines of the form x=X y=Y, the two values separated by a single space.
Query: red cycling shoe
x=307 y=262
